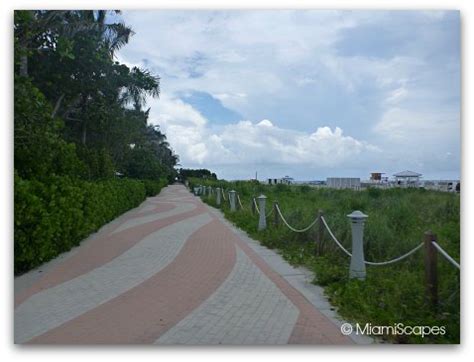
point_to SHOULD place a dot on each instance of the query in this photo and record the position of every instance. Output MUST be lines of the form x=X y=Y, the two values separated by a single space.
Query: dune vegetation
x=398 y=219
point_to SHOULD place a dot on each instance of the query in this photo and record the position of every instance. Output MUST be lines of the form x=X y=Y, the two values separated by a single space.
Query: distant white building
x=287 y=180
x=377 y=178
x=441 y=185
x=343 y=182
x=407 y=178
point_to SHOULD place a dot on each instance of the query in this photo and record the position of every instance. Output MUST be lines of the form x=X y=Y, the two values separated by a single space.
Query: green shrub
x=304 y=189
x=282 y=188
x=39 y=150
x=153 y=187
x=52 y=216
x=143 y=164
x=99 y=163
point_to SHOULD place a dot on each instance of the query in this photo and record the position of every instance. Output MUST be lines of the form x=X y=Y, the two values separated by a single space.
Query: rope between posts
x=365 y=261
x=240 y=202
x=396 y=259
x=446 y=255
x=256 y=206
x=339 y=244
x=292 y=228
x=333 y=237
x=269 y=213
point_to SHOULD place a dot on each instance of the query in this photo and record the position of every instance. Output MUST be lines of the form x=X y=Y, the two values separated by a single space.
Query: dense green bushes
x=53 y=216
x=63 y=191
x=39 y=148
x=152 y=187
x=184 y=174
x=79 y=120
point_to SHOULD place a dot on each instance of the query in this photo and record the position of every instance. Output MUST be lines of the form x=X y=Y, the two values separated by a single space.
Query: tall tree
x=69 y=57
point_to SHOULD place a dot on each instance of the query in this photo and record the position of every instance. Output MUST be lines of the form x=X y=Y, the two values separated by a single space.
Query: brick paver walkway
x=170 y=272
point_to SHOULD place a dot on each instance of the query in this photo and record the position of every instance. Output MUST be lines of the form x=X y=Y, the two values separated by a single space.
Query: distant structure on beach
x=376 y=177
x=403 y=179
x=443 y=185
x=343 y=183
x=287 y=180
x=407 y=179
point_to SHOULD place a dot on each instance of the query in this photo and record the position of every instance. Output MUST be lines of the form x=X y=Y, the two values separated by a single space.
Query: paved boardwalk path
x=172 y=272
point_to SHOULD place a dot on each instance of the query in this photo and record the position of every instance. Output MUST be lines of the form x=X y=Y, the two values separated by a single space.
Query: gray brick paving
x=179 y=209
x=246 y=309
x=300 y=278
x=54 y=306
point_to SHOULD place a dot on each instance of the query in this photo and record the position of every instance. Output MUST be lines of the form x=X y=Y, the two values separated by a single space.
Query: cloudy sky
x=310 y=94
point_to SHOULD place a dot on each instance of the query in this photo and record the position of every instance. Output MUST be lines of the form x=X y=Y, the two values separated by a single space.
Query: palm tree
x=156 y=140
x=113 y=35
x=66 y=23
x=142 y=84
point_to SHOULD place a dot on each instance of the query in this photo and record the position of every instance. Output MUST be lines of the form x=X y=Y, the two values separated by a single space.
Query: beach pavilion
x=407 y=178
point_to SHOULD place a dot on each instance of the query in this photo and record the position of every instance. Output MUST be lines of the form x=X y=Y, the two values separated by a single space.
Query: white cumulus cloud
x=251 y=142
x=316 y=89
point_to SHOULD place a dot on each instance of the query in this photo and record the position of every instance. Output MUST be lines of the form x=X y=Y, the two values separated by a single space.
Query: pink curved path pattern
x=184 y=278
x=154 y=208
x=143 y=313
x=104 y=249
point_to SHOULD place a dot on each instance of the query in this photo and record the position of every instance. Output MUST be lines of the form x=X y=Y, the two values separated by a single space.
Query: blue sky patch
x=210 y=107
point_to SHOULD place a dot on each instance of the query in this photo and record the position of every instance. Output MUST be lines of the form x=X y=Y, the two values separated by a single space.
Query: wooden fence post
x=319 y=234
x=276 y=218
x=237 y=203
x=431 y=270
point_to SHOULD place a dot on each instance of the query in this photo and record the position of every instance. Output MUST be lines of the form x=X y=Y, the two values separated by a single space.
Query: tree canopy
x=78 y=111
x=185 y=173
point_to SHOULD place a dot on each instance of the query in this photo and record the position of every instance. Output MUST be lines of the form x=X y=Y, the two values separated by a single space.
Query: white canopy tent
x=408 y=178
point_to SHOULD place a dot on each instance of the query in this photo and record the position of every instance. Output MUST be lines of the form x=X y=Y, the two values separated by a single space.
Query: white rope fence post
x=223 y=195
x=232 y=200
x=218 y=196
x=262 y=221
x=397 y=259
x=357 y=267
